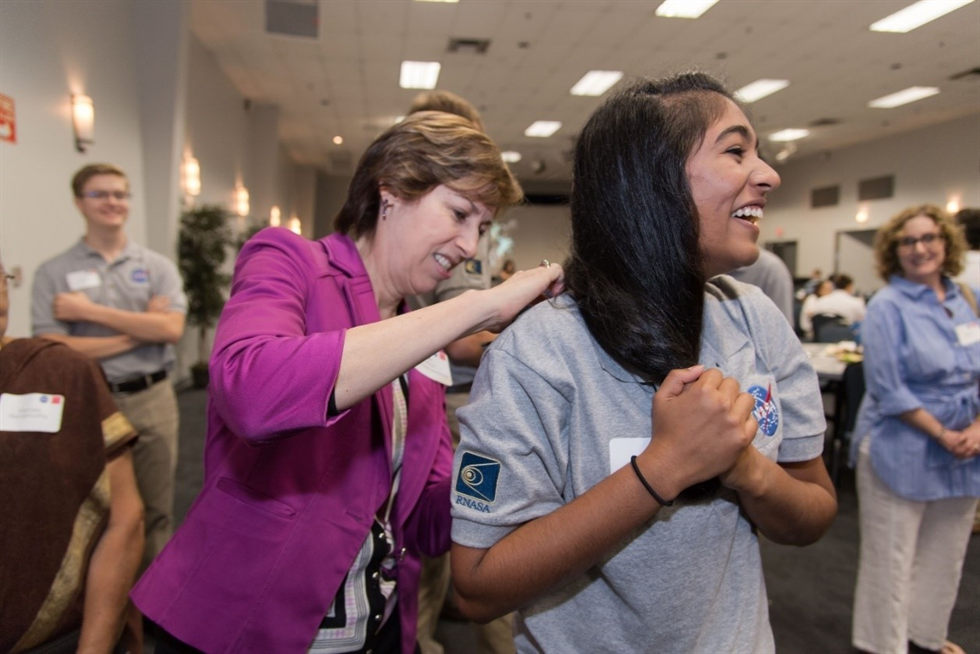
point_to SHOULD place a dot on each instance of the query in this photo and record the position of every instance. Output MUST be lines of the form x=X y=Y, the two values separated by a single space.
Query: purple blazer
x=289 y=494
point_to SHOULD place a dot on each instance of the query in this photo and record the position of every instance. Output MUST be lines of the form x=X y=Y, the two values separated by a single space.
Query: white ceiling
x=345 y=82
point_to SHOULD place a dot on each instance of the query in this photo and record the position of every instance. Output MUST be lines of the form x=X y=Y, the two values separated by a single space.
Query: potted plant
x=202 y=249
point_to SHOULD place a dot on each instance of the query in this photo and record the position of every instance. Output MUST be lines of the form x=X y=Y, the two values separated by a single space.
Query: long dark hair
x=636 y=269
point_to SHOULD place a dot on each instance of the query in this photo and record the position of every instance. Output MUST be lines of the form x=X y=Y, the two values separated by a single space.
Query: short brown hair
x=427 y=149
x=886 y=241
x=448 y=102
x=88 y=172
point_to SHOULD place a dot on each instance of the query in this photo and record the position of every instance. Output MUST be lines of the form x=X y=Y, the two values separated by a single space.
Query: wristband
x=646 y=485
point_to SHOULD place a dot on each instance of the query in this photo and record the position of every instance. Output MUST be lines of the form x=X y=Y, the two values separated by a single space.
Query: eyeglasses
x=105 y=195
x=927 y=240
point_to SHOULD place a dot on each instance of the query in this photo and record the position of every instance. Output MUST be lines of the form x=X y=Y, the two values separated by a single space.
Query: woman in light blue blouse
x=917 y=438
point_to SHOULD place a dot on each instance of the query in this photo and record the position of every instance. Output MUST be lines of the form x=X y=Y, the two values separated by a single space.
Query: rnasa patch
x=477 y=480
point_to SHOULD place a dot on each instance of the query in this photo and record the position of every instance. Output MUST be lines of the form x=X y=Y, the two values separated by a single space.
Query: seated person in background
x=71 y=536
x=806 y=311
x=627 y=443
x=841 y=301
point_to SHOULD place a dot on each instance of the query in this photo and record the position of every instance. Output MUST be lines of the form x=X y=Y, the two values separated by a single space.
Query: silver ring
x=545 y=263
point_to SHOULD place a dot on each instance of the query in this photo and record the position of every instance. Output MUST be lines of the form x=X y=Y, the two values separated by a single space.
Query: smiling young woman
x=625 y=442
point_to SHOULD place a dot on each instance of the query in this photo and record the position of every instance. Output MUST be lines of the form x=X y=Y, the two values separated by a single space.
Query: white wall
x=215 y=133
x=158 y=94
x=49 y=50
x=933 y=164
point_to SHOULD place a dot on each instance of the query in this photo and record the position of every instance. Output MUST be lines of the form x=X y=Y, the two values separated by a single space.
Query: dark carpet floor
x=811 y=589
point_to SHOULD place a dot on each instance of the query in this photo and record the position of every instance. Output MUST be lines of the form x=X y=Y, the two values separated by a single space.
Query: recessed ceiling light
x=596 y=82
x=338 y=140
x=760 y=89
x=543 y=128
x=509 y=156
x=419 y=74
x=789 y=135
x=684 y=8
x=910 y=94
x=917 y=15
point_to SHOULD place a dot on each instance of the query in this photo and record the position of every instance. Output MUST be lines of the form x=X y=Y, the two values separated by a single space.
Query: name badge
x=621 y=449
x=32 y=412
x=436 y=368
x=969 y=333
x=83 y=279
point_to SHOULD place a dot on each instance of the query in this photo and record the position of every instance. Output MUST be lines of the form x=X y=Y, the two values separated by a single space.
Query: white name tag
x=82 y=279
x=31 y=412
x=621 y=449
x=968 y=333
x=436 y=368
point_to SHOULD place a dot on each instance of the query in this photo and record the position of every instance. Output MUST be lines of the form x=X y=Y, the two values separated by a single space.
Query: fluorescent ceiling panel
x=917 y=15
x=760 y=89
x=419 y=74
x=789 y=135
x=684 y=8
x=543 y=128
x=597 y=82
x=910 y=94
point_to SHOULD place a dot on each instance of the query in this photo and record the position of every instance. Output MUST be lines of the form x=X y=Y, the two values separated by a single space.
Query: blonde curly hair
x=886 y=241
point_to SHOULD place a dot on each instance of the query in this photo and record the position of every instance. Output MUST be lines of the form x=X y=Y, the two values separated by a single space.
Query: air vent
x=825 y=122
x=470 y=46
x=973 y=73
x=828 y=196
x=878 y=188
x=292 y=17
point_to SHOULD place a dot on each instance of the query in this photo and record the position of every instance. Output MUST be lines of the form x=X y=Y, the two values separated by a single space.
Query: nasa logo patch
x=478 y=477
x=140 y=276
x=765 y=411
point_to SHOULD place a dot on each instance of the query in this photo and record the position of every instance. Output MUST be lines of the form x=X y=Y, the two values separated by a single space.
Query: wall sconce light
x=82 y=121
x=191 y=176
x=241 y=200
x=275 y=216
x=953 y=206
x=294 y=225
x=863 y=214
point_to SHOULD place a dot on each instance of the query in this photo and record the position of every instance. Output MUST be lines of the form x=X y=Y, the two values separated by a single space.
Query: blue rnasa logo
x=477 y=480
x=140 y=276
x=765 y=412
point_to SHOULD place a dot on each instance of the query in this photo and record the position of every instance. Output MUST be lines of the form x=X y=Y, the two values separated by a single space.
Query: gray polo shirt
x=127 y=283
x=551 y=415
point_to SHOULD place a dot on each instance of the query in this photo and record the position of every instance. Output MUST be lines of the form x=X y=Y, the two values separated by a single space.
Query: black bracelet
x=646 y=485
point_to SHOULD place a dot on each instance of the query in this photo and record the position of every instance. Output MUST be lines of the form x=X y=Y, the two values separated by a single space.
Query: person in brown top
x=71 y=536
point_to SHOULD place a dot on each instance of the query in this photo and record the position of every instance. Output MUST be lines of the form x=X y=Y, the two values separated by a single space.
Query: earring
x=384 y=209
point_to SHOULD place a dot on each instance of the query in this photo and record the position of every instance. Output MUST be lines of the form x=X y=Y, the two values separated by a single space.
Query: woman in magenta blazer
x=328 y=459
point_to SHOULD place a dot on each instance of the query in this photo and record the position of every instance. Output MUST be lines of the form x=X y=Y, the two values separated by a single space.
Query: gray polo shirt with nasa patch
x=551 y=415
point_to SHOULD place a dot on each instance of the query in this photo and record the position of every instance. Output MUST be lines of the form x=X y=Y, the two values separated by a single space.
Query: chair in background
x=830 y=328
x=848 y=402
